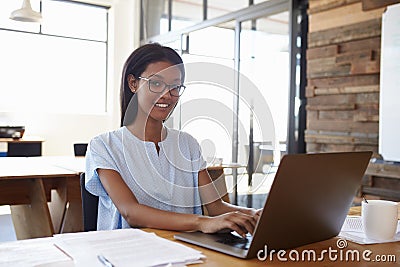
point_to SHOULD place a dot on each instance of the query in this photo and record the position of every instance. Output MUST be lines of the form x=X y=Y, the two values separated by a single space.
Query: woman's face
x=154 y=105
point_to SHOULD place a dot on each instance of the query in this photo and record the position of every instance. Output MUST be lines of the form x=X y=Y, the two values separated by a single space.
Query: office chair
x=90 y=205
x=80 y=149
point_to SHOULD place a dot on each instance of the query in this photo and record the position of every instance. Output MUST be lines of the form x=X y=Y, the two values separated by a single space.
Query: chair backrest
x=90 y=205
x=80 y=149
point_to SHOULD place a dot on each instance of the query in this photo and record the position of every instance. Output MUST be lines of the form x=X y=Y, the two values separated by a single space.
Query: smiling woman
x=149 y=175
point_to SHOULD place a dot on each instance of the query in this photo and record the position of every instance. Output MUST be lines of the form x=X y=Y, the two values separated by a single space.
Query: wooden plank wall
x=343 y=65
x=343 y=70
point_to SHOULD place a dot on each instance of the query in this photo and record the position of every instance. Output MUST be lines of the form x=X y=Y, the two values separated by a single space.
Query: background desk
x=217 y=174
x=44 y=197
x=23 y=147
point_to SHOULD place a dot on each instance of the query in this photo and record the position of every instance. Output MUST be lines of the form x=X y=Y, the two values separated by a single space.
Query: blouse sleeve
x=98 y=156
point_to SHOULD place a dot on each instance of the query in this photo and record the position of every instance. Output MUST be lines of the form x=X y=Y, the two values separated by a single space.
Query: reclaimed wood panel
x=331 y=107
x=335 y=114
x=343 y=77
x=342 y=16
x=327 y=67
x=322 y=5
x=343 y=126
x=366 y=116
x=340 y=139
x=373 y=4
x=326 y=100
x=343 y=65
x=318 y=148
x=362 y=30
x=355 y=115
x=355 y=80
x=357 y=56
x=367 y=98
x=347 y=47
x=313 y=91
x=365 y=67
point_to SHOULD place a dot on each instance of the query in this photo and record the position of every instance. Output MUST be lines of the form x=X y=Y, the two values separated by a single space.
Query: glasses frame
x=169 y=86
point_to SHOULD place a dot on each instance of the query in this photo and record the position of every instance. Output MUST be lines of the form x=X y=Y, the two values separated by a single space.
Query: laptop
x=308 y=202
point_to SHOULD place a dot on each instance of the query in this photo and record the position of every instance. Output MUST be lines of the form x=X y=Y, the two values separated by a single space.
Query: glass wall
x=215 y=97
x=253 y=43
x=264 y=59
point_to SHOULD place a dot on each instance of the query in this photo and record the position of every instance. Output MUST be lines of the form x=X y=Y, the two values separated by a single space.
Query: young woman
x=147 y=175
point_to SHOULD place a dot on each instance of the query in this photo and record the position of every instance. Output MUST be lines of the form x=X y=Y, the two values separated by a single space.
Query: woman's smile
x=162 y=105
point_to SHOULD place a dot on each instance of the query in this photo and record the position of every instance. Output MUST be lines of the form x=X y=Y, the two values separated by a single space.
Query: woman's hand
x=237 y=221
x=253 y=212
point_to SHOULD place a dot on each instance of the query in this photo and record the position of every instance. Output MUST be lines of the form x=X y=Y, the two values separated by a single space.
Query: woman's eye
x=156 y=83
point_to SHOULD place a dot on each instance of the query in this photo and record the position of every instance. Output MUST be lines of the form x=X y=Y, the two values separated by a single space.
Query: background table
x=44 y=196
x=27 y=146
x=217 y=174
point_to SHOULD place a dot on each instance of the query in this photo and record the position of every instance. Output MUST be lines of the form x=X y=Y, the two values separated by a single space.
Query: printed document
x=353 y=230
x=125 y=247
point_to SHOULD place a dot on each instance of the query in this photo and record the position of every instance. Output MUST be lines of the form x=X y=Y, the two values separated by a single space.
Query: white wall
x=60 y=131
x=389 y=110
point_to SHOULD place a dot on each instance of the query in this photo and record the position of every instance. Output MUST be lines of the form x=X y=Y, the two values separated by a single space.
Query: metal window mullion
x=235 y=137
x=205 y=9
x=169 y=15
x=263 y=9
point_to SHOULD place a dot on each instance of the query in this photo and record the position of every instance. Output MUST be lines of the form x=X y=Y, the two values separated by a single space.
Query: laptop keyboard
x=234 y=241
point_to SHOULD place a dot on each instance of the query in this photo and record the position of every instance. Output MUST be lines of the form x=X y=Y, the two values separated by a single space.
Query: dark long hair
x=136 y=64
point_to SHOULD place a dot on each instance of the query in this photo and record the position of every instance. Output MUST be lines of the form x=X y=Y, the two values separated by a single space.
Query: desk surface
x=26 y=139
x=219 y=259
x=226 y=165
x=33 y=251
x=49 y=166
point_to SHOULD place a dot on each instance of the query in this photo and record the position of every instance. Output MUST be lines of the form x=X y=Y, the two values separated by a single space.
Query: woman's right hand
x=236 y=221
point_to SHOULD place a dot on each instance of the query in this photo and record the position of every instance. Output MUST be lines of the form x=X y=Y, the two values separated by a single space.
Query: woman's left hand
x=256 y=213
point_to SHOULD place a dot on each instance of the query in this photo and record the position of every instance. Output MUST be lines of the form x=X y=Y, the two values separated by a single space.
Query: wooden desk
x=218 y=259
x=214 y=259
x=44 y=196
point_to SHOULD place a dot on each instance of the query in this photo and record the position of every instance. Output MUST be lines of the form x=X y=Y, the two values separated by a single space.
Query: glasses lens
x=177 y=90
x=156 y=86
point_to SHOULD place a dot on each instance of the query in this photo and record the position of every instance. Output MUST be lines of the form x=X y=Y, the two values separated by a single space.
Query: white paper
x=31 y=252
x=352 y=230
x=125 y=247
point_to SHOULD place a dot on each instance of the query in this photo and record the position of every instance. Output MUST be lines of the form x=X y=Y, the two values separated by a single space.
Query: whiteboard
x=389 y=103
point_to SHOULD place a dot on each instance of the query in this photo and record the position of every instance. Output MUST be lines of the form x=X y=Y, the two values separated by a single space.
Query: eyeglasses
x=159 y=87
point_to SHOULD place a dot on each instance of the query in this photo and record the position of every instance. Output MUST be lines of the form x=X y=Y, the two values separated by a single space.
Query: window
x=59 y=66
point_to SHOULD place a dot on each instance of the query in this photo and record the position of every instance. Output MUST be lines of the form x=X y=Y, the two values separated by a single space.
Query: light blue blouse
x=167 y=180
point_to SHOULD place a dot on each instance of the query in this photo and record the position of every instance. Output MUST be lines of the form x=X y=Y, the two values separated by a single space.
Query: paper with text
x=125 y=247
x=352 y=230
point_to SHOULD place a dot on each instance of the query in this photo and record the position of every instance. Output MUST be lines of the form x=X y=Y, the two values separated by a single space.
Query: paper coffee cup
x=379 y=218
